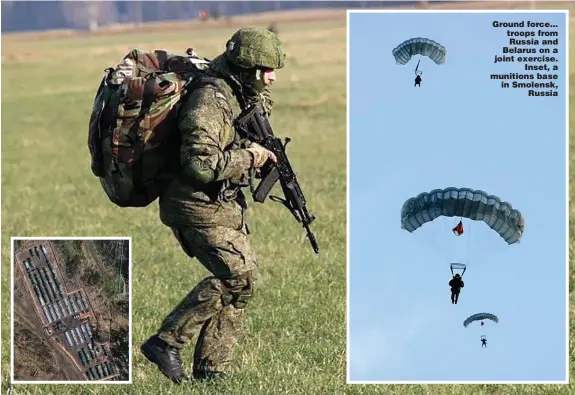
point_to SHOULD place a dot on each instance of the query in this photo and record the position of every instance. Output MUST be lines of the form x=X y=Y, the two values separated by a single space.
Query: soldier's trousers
x=213 y=310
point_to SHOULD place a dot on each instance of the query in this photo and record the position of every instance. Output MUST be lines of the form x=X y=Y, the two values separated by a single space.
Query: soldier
x=205 y=207
x=417 y=80
x=456 y=283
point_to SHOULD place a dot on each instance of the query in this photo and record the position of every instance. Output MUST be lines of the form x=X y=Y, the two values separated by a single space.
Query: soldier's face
x=269 y=76
x=263 y=78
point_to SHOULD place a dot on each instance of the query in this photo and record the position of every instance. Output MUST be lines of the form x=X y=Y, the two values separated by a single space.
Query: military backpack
x=133 y=133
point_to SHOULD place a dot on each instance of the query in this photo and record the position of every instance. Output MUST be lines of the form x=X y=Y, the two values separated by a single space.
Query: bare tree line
x=86 y=15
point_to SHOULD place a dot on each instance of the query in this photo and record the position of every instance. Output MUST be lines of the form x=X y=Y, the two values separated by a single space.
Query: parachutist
x=456 y=284
x=417 y=81
x=483 y=342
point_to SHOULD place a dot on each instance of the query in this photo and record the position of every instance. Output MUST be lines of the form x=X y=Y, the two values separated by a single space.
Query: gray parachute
x=480 y=317
x=419 y=46
x=476 y=205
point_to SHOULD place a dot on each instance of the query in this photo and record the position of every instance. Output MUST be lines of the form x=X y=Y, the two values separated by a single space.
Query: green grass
x=295 y=331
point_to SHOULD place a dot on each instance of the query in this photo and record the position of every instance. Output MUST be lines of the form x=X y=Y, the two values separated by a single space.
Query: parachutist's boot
x=166 y=357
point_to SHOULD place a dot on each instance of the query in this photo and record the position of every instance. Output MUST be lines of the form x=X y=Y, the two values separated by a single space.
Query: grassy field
x=295 y=330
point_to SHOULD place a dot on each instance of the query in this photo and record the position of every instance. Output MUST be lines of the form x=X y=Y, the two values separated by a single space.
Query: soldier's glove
x=260 y=155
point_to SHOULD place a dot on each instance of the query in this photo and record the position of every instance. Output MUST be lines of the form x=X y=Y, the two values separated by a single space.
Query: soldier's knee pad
x=238 y=290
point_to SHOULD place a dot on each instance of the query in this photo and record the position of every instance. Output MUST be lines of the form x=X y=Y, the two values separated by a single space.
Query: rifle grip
x=266 y=185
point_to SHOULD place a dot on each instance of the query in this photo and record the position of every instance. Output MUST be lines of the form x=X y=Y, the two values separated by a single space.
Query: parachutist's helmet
x=457 y=275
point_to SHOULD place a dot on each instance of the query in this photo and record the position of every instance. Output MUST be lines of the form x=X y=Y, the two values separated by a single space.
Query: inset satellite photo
x=71 y=310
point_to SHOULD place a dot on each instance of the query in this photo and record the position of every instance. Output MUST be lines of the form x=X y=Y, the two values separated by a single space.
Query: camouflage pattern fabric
x=213 y=311
x=253 y=47
x=205 y=207
x=267 y=100
x=132 y=137
x=215 y=160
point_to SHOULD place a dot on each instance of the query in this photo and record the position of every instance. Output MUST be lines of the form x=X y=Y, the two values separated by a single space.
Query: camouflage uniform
x=205 y=207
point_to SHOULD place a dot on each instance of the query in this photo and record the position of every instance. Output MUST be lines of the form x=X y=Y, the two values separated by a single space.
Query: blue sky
x=458 y=129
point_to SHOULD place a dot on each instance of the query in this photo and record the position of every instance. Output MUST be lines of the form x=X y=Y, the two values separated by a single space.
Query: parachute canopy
x=476 y=205
x=479 y=317
x=419 y=46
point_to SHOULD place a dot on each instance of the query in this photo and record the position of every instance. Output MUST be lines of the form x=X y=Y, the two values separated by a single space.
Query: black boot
x=166 y=357
x=204 y=375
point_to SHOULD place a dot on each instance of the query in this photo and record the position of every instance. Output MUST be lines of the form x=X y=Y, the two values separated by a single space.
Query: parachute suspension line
x=425 y=204
x=468 y=246
x=432 y=237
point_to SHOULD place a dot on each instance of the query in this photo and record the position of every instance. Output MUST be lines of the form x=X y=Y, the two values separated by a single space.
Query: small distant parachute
x=476 y=205
x=419 y=46
x=480 y=317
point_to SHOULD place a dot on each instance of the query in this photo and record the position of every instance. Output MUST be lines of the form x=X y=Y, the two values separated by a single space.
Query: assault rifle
x=255 y=125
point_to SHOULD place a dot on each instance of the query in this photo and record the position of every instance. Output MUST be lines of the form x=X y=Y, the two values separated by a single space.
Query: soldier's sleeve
x=206 y=126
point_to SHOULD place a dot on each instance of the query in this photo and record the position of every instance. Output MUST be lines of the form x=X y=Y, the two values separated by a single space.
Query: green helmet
x=254 y=47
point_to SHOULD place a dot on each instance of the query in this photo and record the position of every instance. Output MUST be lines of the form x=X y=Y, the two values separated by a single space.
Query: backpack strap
x=238 y=92
x=148 y=98
x=162 y=58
